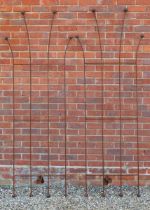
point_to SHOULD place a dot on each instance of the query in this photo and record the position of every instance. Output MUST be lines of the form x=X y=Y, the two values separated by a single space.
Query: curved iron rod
x=120 y=113
x=102 y=92
x=65 y=113
x=30 y=69
x=85 y=115
x=137 y=114
x=48 y=108
x=65 y=104
x=13 y=113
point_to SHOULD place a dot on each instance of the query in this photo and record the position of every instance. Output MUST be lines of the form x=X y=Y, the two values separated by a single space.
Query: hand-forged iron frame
x=102 y=97
x=120 y=99
x=102 y=118
x=65 y=113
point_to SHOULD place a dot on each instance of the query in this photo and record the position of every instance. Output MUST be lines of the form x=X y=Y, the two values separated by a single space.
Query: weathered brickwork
x=74 y=17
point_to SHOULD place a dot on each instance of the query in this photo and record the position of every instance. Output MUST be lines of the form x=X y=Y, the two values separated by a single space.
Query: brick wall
x=74 y=17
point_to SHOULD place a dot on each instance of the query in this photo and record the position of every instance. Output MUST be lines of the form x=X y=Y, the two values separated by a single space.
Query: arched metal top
x=65 y=112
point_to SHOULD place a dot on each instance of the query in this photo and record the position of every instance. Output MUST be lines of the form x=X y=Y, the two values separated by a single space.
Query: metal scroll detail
x=65 y=113
x=30 y=69
x=13 y=114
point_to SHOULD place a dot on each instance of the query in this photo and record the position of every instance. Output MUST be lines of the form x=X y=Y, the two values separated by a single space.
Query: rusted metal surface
x=30 y=98
x=13 y=113
x=137 y=115
x=88 y=118
x=65 y=119
x=120 y=98
x=48 y=102
x=65 y=112
x=102 y=99
x=85 y=115
x=69 y=174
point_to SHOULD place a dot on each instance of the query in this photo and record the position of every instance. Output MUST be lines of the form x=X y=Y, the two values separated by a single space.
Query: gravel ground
x=75 y=199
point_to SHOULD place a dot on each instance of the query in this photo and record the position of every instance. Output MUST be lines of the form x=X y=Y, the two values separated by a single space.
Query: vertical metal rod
x=13 y=114
x=85 y=115
x=137 y=114
x=102 y=92
x=30 y=69
x=65 y=113
x=48 y=108
x=120 y=101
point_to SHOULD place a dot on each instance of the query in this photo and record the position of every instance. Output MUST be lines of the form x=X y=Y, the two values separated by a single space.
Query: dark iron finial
x=54 y=12
x=23 y=13
x=126 y=9
x=93 y=10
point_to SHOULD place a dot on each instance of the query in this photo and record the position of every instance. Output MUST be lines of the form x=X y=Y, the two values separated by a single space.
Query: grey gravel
x=75 y=199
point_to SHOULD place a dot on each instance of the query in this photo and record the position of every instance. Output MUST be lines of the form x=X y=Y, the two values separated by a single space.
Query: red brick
x=31 y=2
x=49 y=2
x=87 y=2
x=74 y=18
x=126 y=2
x=142 y=2
x=68 y=2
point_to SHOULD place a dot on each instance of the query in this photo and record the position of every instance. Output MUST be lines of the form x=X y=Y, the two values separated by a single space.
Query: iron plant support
x=30 y=69
x=137 y=115
x=100 y=119
x=102 y=96
x=65 y=114
x=48 y=107
x=120 y=101
x=85 y=116
x=13 y=114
